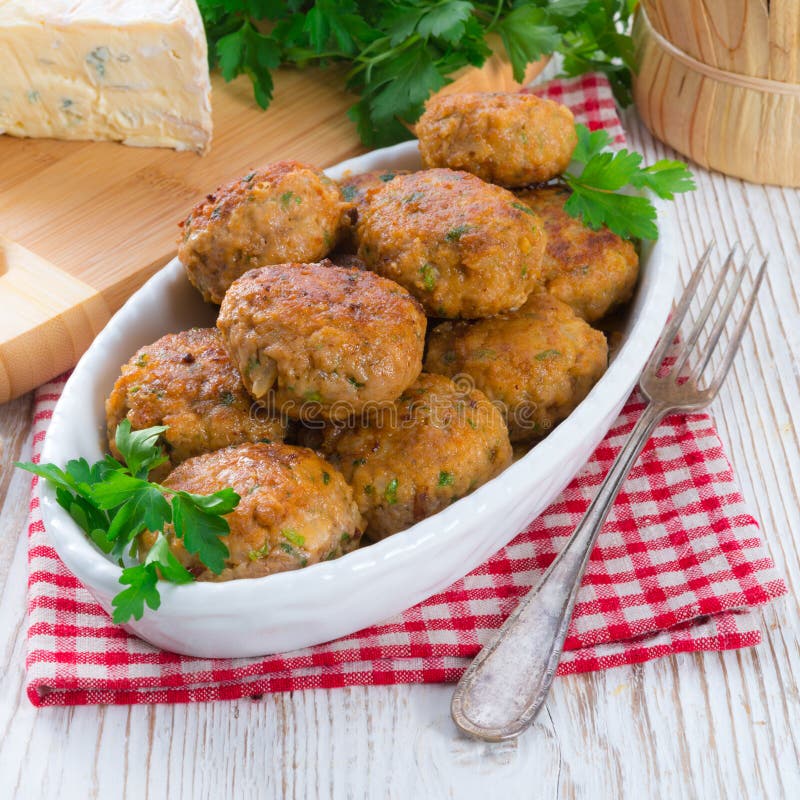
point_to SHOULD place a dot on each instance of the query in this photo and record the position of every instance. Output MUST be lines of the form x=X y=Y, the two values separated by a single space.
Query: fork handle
x=506 y=685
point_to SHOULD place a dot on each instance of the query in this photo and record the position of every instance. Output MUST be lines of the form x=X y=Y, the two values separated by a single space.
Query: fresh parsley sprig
x=597 y=197
x=397 y=52
x=114 y=503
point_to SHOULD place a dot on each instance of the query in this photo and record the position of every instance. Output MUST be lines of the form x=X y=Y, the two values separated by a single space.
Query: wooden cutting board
x=84 y=224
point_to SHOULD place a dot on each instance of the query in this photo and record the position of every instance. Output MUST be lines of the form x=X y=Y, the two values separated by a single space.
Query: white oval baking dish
x=324 y=601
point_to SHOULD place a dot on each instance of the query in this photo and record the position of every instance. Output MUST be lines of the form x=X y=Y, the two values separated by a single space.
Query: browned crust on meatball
x=315 y=339
x=295 y=509
x=594 y=272
x=187 y=381
x=462 y=247
x=512 y=139
x=286 y=211
x=434 y=445
x=537 y=363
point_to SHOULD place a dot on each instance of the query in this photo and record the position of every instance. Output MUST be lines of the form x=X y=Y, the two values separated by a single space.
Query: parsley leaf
x=590 y=143
x=138 y=448
x=610 y=171
x=665 y=178
x=566 y=8
x=200 y=530
x=627 y=216
x=142 y=580
x=595 y=40
x=527 y=36
x=405 y=82
x=166 y=561
x=51 y=473
x=249 y=52
x=146 y=509
x=597 y=197
x=221 y=502
x=115 y=489
x=446 y=19
x=336 y=24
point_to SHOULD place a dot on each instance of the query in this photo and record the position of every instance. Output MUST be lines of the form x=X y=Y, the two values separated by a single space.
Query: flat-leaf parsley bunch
x=115 y=503
x=397 y=52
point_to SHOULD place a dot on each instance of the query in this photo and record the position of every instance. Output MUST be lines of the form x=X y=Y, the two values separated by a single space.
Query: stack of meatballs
x=317 y=397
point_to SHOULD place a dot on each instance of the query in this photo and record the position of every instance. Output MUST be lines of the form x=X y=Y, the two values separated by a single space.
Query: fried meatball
x=435 y=444
x=537 y=363
x=316 y=339
x=462 y=247
x=295 y=509
x=511 y=139
x=187 y=382
x=285 y=212
x=594 y=272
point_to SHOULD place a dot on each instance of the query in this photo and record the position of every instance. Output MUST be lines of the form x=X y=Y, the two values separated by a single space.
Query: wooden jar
x=719 y=80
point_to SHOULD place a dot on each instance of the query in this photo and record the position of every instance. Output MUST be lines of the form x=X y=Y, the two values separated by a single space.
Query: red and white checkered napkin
x=676 y=568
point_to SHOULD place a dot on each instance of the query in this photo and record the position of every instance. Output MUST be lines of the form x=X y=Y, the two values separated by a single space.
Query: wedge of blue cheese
x=134 y=71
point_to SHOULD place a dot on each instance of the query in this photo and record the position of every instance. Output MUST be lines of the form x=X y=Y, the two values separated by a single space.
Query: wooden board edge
x=49 y=318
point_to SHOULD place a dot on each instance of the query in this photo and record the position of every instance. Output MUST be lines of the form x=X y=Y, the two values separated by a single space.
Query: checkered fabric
x=677 y=567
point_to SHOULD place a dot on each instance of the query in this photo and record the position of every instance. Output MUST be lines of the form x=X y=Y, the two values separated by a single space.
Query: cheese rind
x=135 y=72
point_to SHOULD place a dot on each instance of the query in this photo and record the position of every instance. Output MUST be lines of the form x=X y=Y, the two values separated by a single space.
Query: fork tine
x=721 y=321
x=679 y=312
x=738 y=332
x=699 y=323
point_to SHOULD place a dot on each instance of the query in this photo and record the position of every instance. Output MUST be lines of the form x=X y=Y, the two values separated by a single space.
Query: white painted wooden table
x=707 y=725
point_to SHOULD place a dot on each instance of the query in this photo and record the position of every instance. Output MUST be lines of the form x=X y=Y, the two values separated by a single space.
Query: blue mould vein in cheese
x=126 y=70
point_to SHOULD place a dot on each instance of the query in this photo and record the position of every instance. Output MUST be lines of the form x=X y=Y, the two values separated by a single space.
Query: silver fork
x=507 y=684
